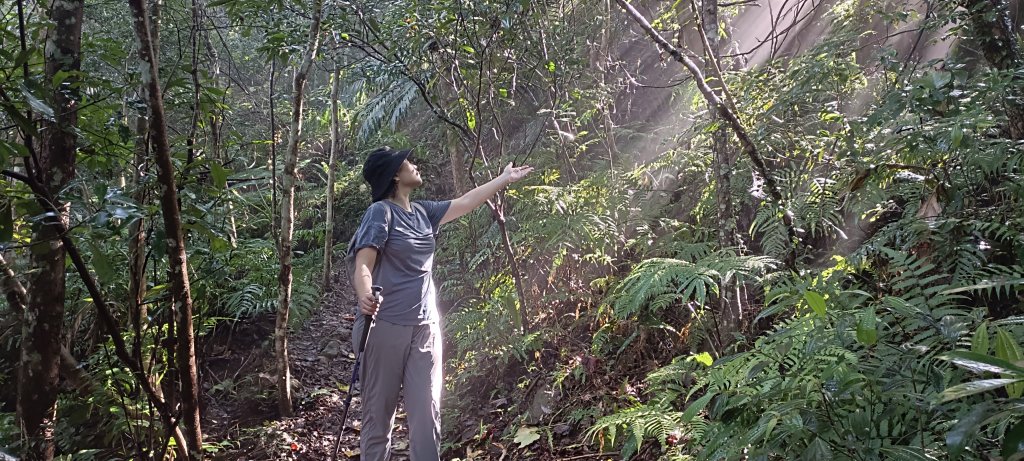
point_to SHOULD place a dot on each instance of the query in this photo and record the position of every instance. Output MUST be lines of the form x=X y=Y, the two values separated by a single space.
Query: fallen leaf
x=526 y=435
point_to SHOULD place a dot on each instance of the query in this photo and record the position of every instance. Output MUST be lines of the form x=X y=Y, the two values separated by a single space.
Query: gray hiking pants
x=407 y=359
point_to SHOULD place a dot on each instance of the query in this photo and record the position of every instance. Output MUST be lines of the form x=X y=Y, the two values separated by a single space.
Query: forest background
x=760 y=229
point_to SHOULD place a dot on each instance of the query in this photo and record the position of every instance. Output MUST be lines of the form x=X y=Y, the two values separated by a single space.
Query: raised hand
x=515 y=173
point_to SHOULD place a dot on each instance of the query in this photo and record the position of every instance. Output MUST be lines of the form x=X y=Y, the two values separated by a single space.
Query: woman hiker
x=394 y=248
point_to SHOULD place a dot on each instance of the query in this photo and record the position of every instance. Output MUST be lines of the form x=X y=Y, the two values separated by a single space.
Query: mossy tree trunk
x=52 y=167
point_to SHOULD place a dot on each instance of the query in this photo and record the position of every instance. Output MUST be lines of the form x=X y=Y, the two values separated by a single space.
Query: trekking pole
x=355 y=370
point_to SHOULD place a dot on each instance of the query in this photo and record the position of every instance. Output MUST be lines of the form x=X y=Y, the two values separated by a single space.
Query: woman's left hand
x=515 y=173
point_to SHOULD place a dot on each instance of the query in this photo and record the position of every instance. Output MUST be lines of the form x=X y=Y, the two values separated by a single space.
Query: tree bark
x=54 y=167
x=992 y=27
x=137 y=231
x=17 y=299
x=180 y=292
x=331 y=158
x=728 y=319
x=284 y=277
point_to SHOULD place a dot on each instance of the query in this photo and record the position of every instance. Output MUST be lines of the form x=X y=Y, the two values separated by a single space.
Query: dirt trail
x=322 y=361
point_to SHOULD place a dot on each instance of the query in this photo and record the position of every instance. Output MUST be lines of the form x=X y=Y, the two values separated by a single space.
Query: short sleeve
x=435 y=211
x=373 y=230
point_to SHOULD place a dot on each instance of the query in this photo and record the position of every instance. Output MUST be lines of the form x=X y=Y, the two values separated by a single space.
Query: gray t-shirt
x=405 y=258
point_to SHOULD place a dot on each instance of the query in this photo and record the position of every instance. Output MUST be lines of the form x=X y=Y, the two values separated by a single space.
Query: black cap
x=380 y=169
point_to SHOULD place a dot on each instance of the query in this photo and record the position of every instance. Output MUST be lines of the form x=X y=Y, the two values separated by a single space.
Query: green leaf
x=468 y=49
x=10 y=149
x=104 y=270
x=817 y=450
x=696 y=407
x=1008 y=349
x=965 y=430
x=551 y=66
x=219 y=175
x=19 y=118
x=956 y=137
x=503 y=92
x=526 y=435
x=940 y=78
x=470 y=119
x=1013 y=442
x=703 y=358
x=979 y=343
x=816 y=301
x=975 y=387
x=37 y=104
x=867 y=331
x=981 y=363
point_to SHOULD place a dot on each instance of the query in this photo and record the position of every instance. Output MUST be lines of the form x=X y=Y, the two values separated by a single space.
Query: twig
x=591 y=455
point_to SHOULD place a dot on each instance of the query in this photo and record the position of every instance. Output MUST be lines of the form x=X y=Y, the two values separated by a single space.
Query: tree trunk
x=284 y=277
x=53 y=169
x=137 y=239
x=728 y=318
x=17 y=299
x=994 y=30
x=331 y=158
x=137 y=231
x=180 y=293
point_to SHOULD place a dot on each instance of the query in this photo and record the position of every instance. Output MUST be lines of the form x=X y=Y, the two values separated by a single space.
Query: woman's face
x=408 y=175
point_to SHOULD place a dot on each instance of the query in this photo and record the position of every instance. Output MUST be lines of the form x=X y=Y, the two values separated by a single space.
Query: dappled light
x=512 y=230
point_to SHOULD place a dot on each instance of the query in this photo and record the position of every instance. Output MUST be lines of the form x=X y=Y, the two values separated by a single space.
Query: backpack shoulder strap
x=387 y=219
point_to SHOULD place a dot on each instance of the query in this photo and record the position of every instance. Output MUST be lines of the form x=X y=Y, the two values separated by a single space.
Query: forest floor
x=241 y=415
x=242 y=421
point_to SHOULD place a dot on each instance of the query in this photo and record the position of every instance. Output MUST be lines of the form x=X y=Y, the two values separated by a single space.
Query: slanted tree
x=51 y=168
x=284 y=277
x=726 y=109
x=180 y=292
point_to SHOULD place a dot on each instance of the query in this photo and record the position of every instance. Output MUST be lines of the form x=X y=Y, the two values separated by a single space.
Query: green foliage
x=908 y=216
x=658 y=283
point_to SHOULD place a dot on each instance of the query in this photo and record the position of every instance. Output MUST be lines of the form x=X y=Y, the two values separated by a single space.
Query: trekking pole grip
x=376 y=290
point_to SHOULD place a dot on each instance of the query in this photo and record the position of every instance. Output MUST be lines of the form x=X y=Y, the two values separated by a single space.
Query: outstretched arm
x=476 y=197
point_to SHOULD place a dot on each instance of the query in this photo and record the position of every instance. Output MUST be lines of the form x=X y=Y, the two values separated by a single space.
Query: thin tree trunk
x=181 y=297
x=728 y=319
x=331 y=158
x=517 y=276
x=193 y=129
x=137 y=231
x=284 y=277
x=137 y=240
x=39 y=368
x=273 y=153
